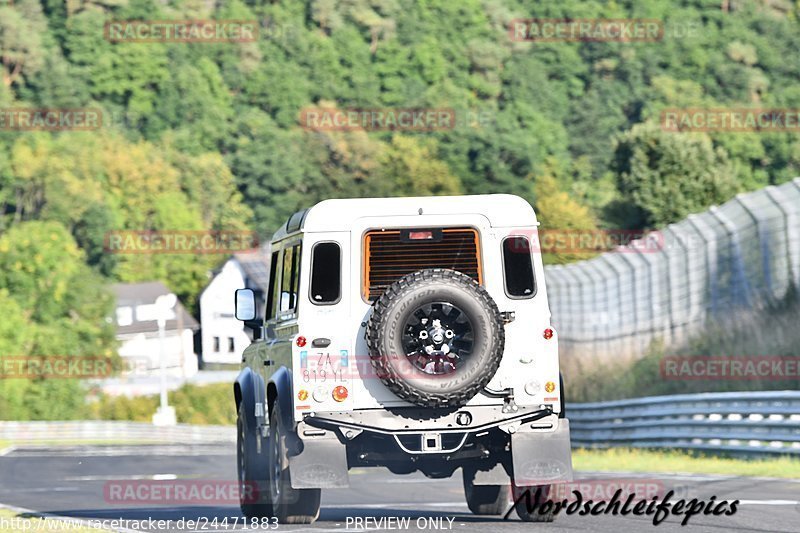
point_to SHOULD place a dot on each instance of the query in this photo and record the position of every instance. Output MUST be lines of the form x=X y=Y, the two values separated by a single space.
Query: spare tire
x=435 y=338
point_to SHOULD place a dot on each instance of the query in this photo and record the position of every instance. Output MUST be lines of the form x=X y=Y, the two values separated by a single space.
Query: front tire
x=484 y=499
x=252 y=469
x=290 y=506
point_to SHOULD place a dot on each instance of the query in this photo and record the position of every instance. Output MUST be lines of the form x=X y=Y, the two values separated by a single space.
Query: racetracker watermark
x=580 y=241
x=320 y=367
x=21 y=119
x=179 y=242
x=54 y=367
x=730 y=368
x=586 y=30
x=181 y=492
x=731 y=120
x=182 y=31
x=377 y=119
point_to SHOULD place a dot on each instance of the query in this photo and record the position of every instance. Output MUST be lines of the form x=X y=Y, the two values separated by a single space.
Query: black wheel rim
x=438 y=338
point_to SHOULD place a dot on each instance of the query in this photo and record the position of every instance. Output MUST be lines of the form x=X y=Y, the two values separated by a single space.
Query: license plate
x=324 y=368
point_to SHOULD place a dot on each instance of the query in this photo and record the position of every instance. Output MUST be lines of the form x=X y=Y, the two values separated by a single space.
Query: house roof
x=138 y=294
x=255 y=264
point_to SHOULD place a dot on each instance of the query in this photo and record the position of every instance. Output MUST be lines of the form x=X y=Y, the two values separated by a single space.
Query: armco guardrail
x=21 y=433
x=741 y=422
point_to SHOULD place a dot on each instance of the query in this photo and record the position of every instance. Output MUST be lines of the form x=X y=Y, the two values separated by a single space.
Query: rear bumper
x=410 y=420
x=540 y=446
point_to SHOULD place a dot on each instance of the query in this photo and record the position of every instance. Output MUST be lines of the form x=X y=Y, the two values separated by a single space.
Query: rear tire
x=533 y=515
x=252 y=469
x=290 y=506
x=484 y=499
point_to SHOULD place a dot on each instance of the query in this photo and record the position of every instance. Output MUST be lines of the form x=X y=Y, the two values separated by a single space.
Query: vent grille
x=389 y=257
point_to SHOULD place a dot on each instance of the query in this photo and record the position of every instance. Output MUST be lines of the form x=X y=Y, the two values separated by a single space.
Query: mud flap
x=321 y=465
x=541 y=458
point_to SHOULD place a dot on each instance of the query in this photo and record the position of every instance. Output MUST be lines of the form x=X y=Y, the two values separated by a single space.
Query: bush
x=207 y=404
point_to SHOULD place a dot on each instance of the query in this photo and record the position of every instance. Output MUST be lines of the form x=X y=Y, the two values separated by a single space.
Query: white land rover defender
x=406 y=333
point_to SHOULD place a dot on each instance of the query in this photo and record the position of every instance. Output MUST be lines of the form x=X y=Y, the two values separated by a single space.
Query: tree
x=411 y=167
x=666 y=176
x=21 y=50
x=562 y=219
x=58 y=309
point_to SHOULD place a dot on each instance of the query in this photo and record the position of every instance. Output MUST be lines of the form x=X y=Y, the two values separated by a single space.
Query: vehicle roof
x=341 y=214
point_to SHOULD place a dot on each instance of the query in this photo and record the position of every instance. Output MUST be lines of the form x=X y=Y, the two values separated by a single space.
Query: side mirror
x=245 y=304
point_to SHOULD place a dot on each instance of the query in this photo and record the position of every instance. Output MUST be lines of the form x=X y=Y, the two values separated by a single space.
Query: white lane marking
x=154 y=477
x=681 y=476
x=415 y=480
x=70 y=520
x=382 y=505
x=179 y=451
x=769 y=502
x=45 y=489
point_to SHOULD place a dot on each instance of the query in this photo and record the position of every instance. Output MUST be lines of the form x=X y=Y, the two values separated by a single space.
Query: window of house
x=124 y=316
x=326 y=279
x=518 y=268
x=216 y=344
x=231 y=345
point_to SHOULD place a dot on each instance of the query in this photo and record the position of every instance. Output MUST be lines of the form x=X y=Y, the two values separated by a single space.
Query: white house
x=137 y=331
x=223 y=338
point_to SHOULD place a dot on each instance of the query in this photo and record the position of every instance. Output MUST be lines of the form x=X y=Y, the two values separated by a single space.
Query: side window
x=517 y=267
x=290 y=279
x=326 y=275
x=275 y=277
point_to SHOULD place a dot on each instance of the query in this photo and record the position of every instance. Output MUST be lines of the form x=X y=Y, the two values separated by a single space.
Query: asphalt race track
x=74 y=482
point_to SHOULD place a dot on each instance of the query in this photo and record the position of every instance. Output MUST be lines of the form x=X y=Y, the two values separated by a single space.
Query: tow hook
x=508 y=316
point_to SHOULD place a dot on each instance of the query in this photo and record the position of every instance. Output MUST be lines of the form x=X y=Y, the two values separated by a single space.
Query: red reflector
x=420 y=235
x=548 y=334
x=301 y=341
x=340 y=393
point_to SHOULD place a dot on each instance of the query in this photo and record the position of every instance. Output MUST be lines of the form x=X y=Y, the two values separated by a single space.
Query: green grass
x=12 y=522
x=4 y=444
x=636 y=460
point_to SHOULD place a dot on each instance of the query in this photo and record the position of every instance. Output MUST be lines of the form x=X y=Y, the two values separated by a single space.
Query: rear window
x=326 y=276
x=517 y=267
x=391 y=254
